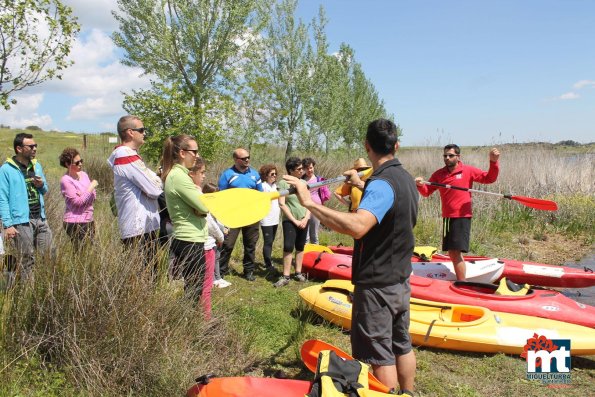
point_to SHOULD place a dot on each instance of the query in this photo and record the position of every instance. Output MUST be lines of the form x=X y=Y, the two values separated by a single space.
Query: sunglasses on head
x=449 y=155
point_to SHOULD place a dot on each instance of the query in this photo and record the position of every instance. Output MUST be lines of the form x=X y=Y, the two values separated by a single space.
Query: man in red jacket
x=456 y=204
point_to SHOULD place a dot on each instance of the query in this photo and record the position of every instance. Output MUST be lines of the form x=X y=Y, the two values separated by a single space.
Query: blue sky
x=468 y=72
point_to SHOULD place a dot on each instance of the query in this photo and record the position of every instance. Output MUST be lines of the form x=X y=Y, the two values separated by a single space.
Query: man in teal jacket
x=22 y=210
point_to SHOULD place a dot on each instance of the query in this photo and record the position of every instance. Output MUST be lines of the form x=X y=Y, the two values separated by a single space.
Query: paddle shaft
x=318 y=184
x=508 y=196
x=545 y=205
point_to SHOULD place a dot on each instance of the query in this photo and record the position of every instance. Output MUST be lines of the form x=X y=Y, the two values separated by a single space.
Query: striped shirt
x=136 y=189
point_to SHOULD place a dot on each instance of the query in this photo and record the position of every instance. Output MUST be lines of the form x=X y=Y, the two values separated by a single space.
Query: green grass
x=91 y=326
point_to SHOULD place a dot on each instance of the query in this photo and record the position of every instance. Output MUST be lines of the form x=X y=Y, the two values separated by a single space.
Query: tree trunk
x=288 y=148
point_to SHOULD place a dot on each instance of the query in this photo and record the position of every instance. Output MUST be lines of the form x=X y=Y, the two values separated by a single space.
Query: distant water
x=584 y=295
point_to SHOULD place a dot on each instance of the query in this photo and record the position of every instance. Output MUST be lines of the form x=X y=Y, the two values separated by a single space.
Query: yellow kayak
x=455 y=327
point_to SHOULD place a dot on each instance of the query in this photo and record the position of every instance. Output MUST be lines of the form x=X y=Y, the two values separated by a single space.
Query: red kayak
x=537 y=302
x=247 y=386
x=324 y=265
x=522 y=272
x=341 y=249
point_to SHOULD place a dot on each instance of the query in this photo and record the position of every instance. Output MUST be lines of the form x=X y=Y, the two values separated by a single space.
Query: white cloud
x=568 y=96
x=94 y=108
x=94 y=14
x=584 y=83
x=97 y=78
x=25 y=112
x=97 y=70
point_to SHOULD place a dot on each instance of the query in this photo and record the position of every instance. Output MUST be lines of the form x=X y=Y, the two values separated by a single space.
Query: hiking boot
x=249 y=276
x=282 y=282
x=299 y=277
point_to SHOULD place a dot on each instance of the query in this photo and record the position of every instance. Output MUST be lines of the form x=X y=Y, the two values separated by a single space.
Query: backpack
x=323 y=192
x=338 y=377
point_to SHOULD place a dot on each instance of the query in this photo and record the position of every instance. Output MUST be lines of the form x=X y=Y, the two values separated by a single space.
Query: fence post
x=84 y=141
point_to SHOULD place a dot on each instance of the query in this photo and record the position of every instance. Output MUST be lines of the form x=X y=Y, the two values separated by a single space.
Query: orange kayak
x=248 y=386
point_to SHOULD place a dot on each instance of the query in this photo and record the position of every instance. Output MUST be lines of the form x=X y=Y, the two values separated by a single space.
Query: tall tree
x=169 y=111
x=35 y=40
x=286 y=66
x=327 y=105
x=189 y=45
x=364 y=104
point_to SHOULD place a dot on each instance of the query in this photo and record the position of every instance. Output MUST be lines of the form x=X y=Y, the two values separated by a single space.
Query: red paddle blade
x=545 y=205
x=312 y=347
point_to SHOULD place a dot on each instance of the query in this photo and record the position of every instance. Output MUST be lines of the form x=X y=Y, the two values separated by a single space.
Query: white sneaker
x=224 y=283
x=217 y=283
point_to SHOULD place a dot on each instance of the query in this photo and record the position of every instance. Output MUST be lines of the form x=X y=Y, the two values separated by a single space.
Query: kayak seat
x=466 y=314
x=424 y=252
x=507 y=287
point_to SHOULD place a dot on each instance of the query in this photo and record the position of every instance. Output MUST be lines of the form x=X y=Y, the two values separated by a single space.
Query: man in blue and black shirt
x=244 y=176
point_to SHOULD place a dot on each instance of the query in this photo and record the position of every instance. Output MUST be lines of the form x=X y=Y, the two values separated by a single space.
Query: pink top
x=79 y=201
x=314 y=192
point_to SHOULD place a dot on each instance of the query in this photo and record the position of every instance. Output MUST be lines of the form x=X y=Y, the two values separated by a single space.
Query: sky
x=458 y=71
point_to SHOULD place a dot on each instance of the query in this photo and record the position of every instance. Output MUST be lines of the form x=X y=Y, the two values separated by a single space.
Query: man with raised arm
x=456 y=204
x=136 y=190
x=382 y=228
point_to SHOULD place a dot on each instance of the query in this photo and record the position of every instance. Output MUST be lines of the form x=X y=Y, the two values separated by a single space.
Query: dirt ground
x=555 y=249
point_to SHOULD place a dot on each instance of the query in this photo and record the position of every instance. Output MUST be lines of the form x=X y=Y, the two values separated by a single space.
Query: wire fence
x=101 y=144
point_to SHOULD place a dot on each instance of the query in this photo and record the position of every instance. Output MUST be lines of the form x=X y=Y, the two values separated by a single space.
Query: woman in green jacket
x=188 y=216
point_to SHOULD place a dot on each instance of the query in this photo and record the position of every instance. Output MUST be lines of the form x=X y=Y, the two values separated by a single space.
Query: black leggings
x=293 y=237
x=268 y=235
x=189 y=263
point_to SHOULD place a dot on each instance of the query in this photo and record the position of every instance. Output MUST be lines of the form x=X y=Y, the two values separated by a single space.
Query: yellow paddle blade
x=238 y=207
x=317 y=248
x=365 y=174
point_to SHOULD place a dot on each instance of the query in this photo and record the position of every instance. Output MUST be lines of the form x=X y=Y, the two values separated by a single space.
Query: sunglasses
x=80 y=162
x=142 y=130
x=449 y=155
x=195 y=151
x=244 y=158
x=273 y=174
x=32 y=147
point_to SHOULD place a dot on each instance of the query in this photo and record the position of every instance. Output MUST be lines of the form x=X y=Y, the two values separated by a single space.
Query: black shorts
x=380 y=323
x=455 y=234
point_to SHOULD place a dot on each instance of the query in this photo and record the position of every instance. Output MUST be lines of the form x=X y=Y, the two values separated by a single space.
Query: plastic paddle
x=539 y=204
x=241 y=207
x=312 y=347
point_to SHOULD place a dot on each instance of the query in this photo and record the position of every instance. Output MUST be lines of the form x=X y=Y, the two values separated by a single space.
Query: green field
x=94 y=325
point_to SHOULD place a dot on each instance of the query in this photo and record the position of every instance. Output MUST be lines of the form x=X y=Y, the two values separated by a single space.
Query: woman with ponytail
x=188 y=217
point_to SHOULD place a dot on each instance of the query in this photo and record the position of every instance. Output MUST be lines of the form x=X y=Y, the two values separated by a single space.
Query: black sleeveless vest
x=383 y=256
